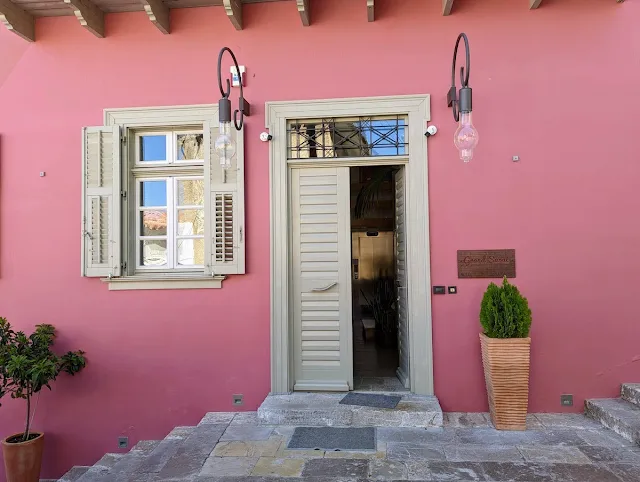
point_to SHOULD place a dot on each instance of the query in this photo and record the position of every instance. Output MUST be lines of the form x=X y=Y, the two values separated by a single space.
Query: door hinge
x=123 y=194
x=240 y=233
x=123 y=139
x=123 y=265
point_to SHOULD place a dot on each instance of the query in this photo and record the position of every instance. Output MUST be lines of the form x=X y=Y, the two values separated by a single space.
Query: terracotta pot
x=506 y=373
x=22 y=460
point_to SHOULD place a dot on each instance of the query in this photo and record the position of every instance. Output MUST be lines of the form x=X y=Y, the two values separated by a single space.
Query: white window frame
x=179 y=119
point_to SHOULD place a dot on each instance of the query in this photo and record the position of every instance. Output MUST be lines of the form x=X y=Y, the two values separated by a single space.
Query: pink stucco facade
x=556 y=86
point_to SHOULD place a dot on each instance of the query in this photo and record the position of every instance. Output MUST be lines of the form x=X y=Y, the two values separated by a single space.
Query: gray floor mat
x=333 y=438
x=371 y=400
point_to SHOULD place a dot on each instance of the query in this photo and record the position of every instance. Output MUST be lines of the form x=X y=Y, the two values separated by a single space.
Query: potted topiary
x=506 y=319
x=27 y=364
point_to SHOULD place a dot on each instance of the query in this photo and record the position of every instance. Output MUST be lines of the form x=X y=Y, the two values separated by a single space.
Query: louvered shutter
x=225 y=207
x=101 y=201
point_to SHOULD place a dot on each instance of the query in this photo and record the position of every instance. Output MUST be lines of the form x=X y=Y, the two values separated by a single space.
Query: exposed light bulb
x=224 y=145
x=466 y=137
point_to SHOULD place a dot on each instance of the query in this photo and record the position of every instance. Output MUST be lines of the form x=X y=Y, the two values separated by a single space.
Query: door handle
x=325 y=288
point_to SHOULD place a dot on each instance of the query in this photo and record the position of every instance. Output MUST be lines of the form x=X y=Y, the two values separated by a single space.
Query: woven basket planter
x=506 y=372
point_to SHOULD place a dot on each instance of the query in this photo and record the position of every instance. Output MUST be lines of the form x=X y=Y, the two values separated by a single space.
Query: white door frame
x=417 y=108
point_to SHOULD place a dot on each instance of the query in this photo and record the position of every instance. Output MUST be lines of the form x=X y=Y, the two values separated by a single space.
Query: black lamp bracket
x=460 y=102
x=224 y=105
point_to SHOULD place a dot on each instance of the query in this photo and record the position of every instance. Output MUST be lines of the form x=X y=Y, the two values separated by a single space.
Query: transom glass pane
x=190 y=192
x=153 y=193
x=153 y=148
x=153 y=252
x=348 y=137
x=190 y=147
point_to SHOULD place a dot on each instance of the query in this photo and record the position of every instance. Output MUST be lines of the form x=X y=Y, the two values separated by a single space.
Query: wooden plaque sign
x=490 y=263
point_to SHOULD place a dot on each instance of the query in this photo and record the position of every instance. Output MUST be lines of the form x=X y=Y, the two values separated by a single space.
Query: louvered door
x=401 y=280
x=321 y=249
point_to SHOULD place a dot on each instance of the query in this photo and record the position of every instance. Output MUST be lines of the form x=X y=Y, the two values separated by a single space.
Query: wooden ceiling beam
x=89 y=16
x=534 y=4
x=303 y=10
x=447 y=5
x=158 y=13
x=17 y=20
x=370 y=10
x=233 y=8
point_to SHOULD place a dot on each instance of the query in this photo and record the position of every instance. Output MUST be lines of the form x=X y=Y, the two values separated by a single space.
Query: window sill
x=144 y=282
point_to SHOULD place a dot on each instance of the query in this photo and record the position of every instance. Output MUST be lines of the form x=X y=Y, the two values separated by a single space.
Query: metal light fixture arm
x=244 y=108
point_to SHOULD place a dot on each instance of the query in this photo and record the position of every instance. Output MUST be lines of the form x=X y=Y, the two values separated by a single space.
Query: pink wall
x=554 y=86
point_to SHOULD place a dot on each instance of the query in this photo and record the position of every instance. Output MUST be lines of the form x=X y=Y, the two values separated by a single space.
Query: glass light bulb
x=466 y=137
x=224 y=145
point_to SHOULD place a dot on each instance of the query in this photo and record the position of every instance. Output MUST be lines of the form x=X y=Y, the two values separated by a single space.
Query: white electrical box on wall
x=235 y=81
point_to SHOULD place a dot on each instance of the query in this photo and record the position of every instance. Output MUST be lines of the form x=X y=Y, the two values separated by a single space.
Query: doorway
x=315 y=143
x=377 y=267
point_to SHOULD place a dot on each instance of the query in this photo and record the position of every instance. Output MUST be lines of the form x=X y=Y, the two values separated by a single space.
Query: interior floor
x=374 y=367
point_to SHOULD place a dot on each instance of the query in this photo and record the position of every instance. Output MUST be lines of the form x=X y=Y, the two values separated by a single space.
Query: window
x=169 y=209
x=157 y=205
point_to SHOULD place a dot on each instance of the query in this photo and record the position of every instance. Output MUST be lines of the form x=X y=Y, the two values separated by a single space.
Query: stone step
x=631 y=393
x=74 y=474
x=616 y=414
x=324 y=409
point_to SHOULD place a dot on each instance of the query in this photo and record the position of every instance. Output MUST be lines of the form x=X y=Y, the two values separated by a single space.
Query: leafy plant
x=504 y=312
x=27 y=364
x=382 y=304
x=369 y=194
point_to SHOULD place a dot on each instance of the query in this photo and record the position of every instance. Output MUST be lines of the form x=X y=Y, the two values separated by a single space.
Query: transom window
x=169 y=201
x=381 y=136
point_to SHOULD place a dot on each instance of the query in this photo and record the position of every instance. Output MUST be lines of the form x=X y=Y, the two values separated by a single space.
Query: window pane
x=191 y=252
x=153 y=148
x=153 y=223
x=190 y=146
x=190 y=222
x=191 y=192
x=153 y=193
x=153 y=252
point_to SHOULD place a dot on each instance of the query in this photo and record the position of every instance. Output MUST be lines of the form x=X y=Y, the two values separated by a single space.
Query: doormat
x=371 y=400
x=333 y=438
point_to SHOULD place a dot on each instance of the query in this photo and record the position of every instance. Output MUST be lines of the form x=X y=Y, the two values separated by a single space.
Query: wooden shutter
x=101 y=201
x=224 y=208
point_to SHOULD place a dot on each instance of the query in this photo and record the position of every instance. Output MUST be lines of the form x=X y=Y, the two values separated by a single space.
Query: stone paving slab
x=193 y=452
x=272 y=466
x=228 y=466
x=612 y=454
x=246 y=432
x=483 y=453
x=550 y=455
x=416 y=435
x=336 y=468
x=408 y=452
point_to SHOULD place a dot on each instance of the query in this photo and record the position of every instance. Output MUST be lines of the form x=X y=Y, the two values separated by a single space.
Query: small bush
x=504 y=312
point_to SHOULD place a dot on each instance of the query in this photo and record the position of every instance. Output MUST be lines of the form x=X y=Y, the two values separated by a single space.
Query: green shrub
x=504 y=312
x=27 y=364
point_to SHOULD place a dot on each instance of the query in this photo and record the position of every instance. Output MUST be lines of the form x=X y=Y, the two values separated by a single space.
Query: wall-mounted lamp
x=224 y=145
x=466 y=136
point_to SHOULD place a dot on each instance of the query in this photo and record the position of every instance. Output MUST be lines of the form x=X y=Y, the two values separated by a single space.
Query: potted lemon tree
x=27 y=365
x=506 y=319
